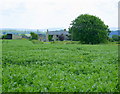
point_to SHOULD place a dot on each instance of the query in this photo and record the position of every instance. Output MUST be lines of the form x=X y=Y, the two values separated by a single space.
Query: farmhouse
x=55 y=35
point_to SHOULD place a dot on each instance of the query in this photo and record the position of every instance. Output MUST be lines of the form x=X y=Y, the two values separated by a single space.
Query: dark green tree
x=50 y=37
x=89 y=29
x=34 y=36
x=61 y=37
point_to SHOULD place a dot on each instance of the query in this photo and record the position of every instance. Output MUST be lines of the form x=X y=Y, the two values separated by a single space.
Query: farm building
x=41 y=37
x=55 y=35
x=13 y=36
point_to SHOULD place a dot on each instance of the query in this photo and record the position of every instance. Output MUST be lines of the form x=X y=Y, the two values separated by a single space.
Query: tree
x=89 y=29
x=50 y=37
x=4 y=36
x=61 y=37
x=34 y=36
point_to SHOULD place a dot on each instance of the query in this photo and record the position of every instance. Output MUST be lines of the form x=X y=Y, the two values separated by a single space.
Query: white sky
x=39 y=14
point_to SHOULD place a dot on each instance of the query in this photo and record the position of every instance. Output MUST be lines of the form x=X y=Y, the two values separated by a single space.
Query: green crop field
x=58 y=67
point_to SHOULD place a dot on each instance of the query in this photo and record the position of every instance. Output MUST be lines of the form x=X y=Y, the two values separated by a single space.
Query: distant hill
x=32 y=30
x=113 y=28
x=20 y=31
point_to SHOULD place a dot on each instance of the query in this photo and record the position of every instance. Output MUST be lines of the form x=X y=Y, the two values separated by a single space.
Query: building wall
x=16 y=37
x=56 y=35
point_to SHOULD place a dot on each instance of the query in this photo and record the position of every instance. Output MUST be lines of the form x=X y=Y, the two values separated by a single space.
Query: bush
x=24 y=39
x=4 y=36
x=34 y=36
x=61 y=37
x=118 y=42
x=116 y=37
x=36 y=42
x=111 y=39
x=66 y=42
x=50 y=37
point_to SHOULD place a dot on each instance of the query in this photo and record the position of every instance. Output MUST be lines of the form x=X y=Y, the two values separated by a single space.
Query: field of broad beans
x=58 y=67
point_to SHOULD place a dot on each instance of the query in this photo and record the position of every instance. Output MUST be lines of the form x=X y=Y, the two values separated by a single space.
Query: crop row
x=29 y=67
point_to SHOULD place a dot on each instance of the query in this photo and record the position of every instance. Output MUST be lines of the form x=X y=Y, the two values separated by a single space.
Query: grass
x=53 y=67
x=0 y=66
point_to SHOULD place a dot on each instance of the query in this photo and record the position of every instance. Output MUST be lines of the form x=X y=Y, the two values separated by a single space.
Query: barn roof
x=58 y=32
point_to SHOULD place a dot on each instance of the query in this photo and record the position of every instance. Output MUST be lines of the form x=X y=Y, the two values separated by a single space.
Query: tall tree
x=89 y=29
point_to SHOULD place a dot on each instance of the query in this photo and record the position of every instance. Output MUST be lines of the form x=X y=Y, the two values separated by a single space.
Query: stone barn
x=41 y=37
x=55 y=35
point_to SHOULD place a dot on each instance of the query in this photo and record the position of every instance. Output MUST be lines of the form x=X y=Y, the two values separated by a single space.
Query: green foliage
x=34 y=36
x=61 y=37
x=66 y=42
x=118 y=42
x=50 y=37
x=29 y=67
x=36 y=42
x=89 y=29
x=111 y=39
x=4 y=36
x=23 y=35
x=116 y=37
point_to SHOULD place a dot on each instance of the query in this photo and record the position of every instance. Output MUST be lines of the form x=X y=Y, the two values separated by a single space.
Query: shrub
x=50 y=37
x=61 y=37
x=34 y=36
x=36 y=42
x=116 y=37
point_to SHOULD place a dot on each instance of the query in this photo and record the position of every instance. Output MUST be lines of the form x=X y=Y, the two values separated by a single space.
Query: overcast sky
x=42 y=14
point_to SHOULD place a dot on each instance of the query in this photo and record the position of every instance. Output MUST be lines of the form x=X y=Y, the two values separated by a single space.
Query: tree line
x=87 y=29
